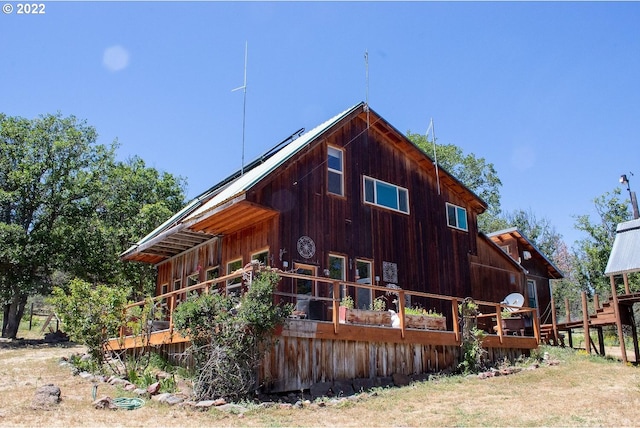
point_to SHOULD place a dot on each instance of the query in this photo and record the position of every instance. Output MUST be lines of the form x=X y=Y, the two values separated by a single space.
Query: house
x=352 y=200
x=539 y=270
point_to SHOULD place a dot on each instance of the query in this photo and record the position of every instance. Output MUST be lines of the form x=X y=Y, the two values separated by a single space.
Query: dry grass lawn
x=580 y=391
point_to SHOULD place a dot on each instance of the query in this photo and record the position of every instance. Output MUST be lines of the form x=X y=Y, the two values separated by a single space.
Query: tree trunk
x=13 y=312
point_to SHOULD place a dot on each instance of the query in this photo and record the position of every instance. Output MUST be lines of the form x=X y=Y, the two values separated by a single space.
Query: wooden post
x=172 y=307
x=401 y=314
x=634 y=331
x=570 y=338
x=601 y=340
x=536 y=326
x=499 y=322
x=625 y=278
x=31 y=316
x=616 y=310
x=596 y=302
x=554 y=320
x=567 y=310
x=336 y=306
x=585 y=323
x=456 y=320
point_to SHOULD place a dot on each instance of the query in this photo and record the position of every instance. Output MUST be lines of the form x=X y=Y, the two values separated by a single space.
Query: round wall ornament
x=306 y=247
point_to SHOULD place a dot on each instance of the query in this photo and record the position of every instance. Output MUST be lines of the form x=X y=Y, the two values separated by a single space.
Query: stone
x=163 y=375
x=172 y=400
x=104 y=403
x=321 y=389
x=117 y=381
x=86 y=375
x=400 y=379
x=232 y=408
x=342 y=388
x=139 y=391
x=363 y=384
x=153 y=388
x=46 y=397
x=129 y=387
x=161 y=398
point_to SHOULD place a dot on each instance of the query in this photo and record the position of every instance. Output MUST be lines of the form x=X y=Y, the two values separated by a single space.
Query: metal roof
x=153 y=247
x=625 y=253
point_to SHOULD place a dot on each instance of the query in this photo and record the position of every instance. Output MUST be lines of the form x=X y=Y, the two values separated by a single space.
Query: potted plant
x=421 y=318
x=375 y=315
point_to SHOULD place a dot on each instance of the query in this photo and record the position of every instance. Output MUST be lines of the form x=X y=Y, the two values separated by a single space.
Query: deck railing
x=330 y=290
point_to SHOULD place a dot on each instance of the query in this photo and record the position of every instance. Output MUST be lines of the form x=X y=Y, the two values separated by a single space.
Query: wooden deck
x=309 y=351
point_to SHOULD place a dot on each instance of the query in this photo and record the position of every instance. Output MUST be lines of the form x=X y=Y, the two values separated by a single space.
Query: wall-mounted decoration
x=306 y=247
x=390 y=272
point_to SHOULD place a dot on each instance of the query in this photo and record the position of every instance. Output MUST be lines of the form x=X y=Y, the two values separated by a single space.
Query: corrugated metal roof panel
x=625 y=254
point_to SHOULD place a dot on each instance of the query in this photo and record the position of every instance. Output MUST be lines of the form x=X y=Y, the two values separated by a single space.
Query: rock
x=130 y=387
x=153 y=388
x=172 y=400
x=360 y=385
x=232 y=408
x=86 y=375
x=46 y=397
x=140 y=391
x=161 y=398
x=117 y=381
x=104 y=403
x=342 y=388
x=163 y=375
x=320 y=389
x=400 y=379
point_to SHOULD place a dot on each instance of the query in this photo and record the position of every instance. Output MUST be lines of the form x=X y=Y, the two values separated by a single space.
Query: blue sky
x=548 y=92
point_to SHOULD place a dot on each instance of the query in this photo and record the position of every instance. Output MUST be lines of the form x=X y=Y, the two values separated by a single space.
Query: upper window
x=386 y=195
x=457 y=217
x=262 y=257
x=335 y=171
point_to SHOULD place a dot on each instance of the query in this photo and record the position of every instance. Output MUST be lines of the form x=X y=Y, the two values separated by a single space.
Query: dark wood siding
x=430 y=256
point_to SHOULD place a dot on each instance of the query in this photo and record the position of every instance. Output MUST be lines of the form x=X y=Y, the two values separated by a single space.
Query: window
x=164 y=288
x=262 y=257
x=335 y=171
x=177 y=285
x=531 y=291
x=337 y=270
x=303 y=285
x=456 y=217
x=192 y=280
x=233 y=285
x=386 y=195
x=213 y=273
x=363 y=276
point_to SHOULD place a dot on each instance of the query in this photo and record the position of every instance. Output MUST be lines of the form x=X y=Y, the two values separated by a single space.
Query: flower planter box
x=363 y=316
x=425 y=322
x=513 y=325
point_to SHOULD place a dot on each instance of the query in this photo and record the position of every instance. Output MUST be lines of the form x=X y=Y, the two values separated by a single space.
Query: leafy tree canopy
x=67 y=209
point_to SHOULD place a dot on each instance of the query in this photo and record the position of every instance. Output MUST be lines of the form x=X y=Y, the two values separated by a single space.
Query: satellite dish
x=514 y=300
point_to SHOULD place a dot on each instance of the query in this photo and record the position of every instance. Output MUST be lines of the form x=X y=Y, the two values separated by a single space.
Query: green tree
x=68 y=209
x=48 y=169
x=476 y=173
x=592 y=252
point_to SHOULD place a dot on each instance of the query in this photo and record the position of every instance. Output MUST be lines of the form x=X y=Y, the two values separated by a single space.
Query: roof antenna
x=432 y=128
x=244 y=102
x=366 y=66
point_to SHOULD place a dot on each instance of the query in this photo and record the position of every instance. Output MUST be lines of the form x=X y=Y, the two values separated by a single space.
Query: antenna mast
x=366 y=66
x=244 y=102
x=432 y=128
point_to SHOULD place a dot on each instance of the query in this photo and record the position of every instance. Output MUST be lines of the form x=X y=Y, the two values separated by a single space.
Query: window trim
x=263 y=250
x=314 y=272
x=371 y=280
x=375 y=202
x=335 y=171
x=343 y=288
x=457 y=208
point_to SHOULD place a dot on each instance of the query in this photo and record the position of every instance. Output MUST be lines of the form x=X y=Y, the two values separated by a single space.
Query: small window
x=337 y=270
x=164 y=288
x=456 y=217
x=303 y=285
x=335 y=171
x=363 y=276
x=213 y=273
x=177 y=285
x=383 y=194
x=235 y=283
x=262 y=257
x=193 y=280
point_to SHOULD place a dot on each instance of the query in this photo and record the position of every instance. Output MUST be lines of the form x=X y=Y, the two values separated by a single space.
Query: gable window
x=386 y=195
x=457 y=217
x=335 y=171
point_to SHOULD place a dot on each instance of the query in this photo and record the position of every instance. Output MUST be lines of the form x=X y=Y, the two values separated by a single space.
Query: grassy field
x=581 y=391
